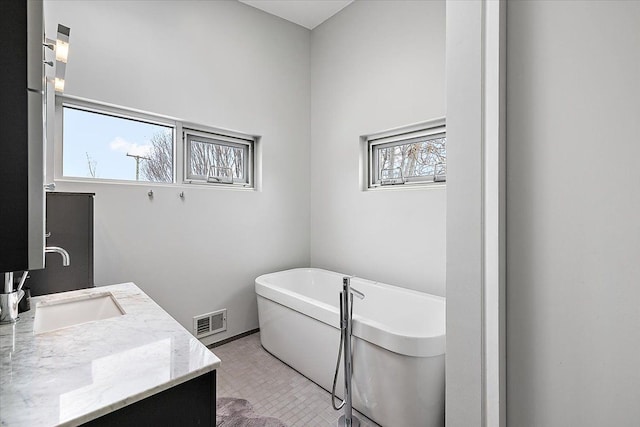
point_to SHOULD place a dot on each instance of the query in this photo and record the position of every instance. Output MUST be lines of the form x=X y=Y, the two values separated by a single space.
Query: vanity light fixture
x=62 y=44
x=62 y=54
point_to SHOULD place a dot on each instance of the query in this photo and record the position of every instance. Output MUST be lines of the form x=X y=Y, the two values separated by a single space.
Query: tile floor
x=274 y=389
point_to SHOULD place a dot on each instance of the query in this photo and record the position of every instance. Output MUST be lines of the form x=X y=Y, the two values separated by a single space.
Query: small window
x=103 y=145
x=408 y=156
x=219 y=159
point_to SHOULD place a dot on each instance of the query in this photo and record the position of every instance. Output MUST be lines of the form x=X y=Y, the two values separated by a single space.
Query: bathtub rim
x=364 y=328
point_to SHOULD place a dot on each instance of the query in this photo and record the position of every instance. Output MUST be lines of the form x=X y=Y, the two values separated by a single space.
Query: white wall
x=376 y=65
x=465 y=125
x=573 y=230
x=221 y=64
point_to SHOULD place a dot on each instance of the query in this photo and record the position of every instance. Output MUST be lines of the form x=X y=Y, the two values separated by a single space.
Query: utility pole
x=138 y=158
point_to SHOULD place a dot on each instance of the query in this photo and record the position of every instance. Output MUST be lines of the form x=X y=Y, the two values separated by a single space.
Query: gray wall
x=573 y=227
x=376 y=65
x=222 y=64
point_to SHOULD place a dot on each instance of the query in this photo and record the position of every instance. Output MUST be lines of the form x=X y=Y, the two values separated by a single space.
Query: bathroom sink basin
x=58 y=314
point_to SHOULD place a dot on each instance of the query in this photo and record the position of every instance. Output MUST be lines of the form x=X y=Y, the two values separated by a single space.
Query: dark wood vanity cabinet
x=21 y=136
x=190 y=404
x=13 y=143
x=69 y=225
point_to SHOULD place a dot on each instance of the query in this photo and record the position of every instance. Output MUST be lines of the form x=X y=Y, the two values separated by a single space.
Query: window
x=415 y=155
x=102 y=145
x=218 y=159
x=104 y=142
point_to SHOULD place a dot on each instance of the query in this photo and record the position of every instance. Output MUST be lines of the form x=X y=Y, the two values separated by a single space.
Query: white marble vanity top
x=70 y=376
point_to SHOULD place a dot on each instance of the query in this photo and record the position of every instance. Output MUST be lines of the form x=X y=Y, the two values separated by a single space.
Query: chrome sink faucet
x=9 y=299
x=66 y=260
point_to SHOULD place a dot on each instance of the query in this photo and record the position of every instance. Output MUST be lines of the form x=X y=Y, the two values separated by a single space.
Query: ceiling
x=308 y=13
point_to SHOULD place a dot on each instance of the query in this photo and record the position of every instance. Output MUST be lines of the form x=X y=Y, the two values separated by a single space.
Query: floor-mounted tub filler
x=398 y=341
x=346 y=334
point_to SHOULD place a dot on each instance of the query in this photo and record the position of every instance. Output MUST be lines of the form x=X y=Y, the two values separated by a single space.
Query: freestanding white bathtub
x=398 y=343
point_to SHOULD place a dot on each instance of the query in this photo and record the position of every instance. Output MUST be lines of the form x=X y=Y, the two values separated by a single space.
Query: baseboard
x=233 y=338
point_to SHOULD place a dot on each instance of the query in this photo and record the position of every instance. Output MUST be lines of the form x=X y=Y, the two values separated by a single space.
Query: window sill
x=122 y=183
x=408 y=186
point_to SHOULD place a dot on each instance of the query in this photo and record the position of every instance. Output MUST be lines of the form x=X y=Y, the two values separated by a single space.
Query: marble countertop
x=73 y=375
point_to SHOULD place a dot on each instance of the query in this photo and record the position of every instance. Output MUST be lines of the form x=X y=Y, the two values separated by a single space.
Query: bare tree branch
x=416 y=159
x=91 y=165
x=159 y=167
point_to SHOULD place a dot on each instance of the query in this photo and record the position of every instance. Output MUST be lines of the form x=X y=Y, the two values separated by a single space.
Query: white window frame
x=433 y=129
x=180 y=151
x=245 y=142
x=112 y=111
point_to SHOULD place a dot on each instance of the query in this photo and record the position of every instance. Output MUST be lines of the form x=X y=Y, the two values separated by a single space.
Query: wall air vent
x=210 y=323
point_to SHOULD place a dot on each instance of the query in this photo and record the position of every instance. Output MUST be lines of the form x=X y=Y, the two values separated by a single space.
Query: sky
x=106 y=140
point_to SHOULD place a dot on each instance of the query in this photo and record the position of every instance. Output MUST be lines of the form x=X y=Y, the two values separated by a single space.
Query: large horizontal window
x=106 y=146
x=101 y=142
x=407 y=156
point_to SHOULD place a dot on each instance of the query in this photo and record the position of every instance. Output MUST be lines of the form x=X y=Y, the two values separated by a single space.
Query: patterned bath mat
x=232 y=412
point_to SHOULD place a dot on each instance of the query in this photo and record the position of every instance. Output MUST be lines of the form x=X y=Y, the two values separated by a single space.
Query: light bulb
x=62 y=51
x=59 y=84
